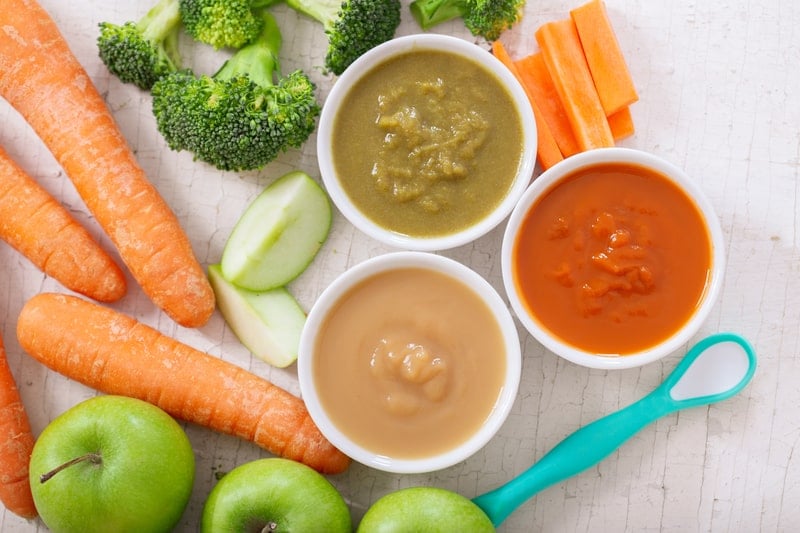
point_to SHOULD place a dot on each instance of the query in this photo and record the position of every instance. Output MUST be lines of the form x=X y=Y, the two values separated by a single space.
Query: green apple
x=112 y=463
x=278 y=235
x=428 y=509
x=268 y=323
x=275 y=494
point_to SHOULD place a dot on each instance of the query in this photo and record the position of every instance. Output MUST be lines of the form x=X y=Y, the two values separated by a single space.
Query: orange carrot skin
x=548 y=152
x=16 y=445
x=41 y=229
x=44 y=81
x=566 y=62
x=607 y=64
x=115 y=354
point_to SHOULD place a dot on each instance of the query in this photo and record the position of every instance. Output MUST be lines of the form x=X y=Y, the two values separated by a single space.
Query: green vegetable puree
x=427 y=143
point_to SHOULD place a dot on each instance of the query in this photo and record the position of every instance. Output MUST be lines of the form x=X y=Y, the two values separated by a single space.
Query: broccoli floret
x=352 y=26
x=223 y=23
x=484 y=18
x=240 y=118
x=144 y=51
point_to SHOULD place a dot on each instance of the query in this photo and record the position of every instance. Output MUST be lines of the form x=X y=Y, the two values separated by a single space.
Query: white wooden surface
x=719 y=87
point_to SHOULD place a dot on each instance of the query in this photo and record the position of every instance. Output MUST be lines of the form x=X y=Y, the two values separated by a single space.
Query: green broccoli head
x=144 y=51
x=490 y=18
x=483 y=18
x=352 y=26
x=220 y=23
x=360 y=26
x=294 y=104
x=238 y=119
x=234 y=124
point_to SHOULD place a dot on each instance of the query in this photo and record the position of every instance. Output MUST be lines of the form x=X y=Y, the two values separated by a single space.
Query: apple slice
x=278 y=235
x=268 y=323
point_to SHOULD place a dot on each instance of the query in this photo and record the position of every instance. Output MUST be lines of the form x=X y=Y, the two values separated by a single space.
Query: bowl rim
x=377 y=55
x=549 y=179
x=386 y=262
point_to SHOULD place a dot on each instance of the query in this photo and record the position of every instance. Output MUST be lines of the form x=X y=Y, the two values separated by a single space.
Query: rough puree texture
x=613 y=259
x=427 y=143
x=410 y=363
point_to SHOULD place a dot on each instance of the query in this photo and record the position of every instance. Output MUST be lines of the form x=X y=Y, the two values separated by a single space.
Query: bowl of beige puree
x=409 y=362
x=426 y=142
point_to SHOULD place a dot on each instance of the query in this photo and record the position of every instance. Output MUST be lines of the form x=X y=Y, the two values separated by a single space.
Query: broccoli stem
x=323 y=11
x=257 y=60
x=429 y=13
x=160 y=22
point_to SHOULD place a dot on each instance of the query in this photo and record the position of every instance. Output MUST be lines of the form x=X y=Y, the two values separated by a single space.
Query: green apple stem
x=271 y=527
x=92 y=457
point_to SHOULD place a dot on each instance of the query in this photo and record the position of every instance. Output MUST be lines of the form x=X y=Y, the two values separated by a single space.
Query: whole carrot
x=41 y=229
x=44 y=81
x=16 y=445
x=115 y=354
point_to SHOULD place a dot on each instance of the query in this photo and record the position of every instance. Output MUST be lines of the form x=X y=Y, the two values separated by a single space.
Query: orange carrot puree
x=614 y=259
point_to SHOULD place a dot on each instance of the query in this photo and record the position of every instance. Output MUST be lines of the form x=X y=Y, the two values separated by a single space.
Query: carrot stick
x=39 y=227
x=604 y=56
x=548 y=152
x=16 y=445
x=533 y=71
x=566 y=62
x=621 y=124
x=115 y=354
x=44 y=81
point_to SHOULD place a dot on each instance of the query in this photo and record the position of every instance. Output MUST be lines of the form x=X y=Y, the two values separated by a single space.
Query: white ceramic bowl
x=399 y=260
x=549 y=179
x=378 y=55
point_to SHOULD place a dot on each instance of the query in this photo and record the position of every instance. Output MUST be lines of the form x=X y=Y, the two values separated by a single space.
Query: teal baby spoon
x=715 y=369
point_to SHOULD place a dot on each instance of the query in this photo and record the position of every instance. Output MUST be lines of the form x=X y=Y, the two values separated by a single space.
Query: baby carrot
x=566 y=63
x=534 y=74
x=44 y=81
x=604 y=56
x=16 y=445
x=42 y=230
x=548 y=152
x=115 y=354
x=621 y=124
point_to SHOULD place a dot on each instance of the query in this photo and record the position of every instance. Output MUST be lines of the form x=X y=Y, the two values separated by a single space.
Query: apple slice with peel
x=268 y=323
x=278 y=235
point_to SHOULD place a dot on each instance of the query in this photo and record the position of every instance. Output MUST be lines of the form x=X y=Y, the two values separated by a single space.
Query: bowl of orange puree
x=409 y=362
x=613 y=258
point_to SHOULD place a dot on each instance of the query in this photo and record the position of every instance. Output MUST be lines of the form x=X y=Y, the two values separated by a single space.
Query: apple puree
x=410 y=363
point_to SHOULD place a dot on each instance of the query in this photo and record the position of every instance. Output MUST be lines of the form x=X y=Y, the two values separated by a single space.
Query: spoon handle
x=579 y=451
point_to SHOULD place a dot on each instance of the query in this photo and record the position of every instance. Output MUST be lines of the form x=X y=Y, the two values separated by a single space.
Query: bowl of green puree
x=426 y=142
